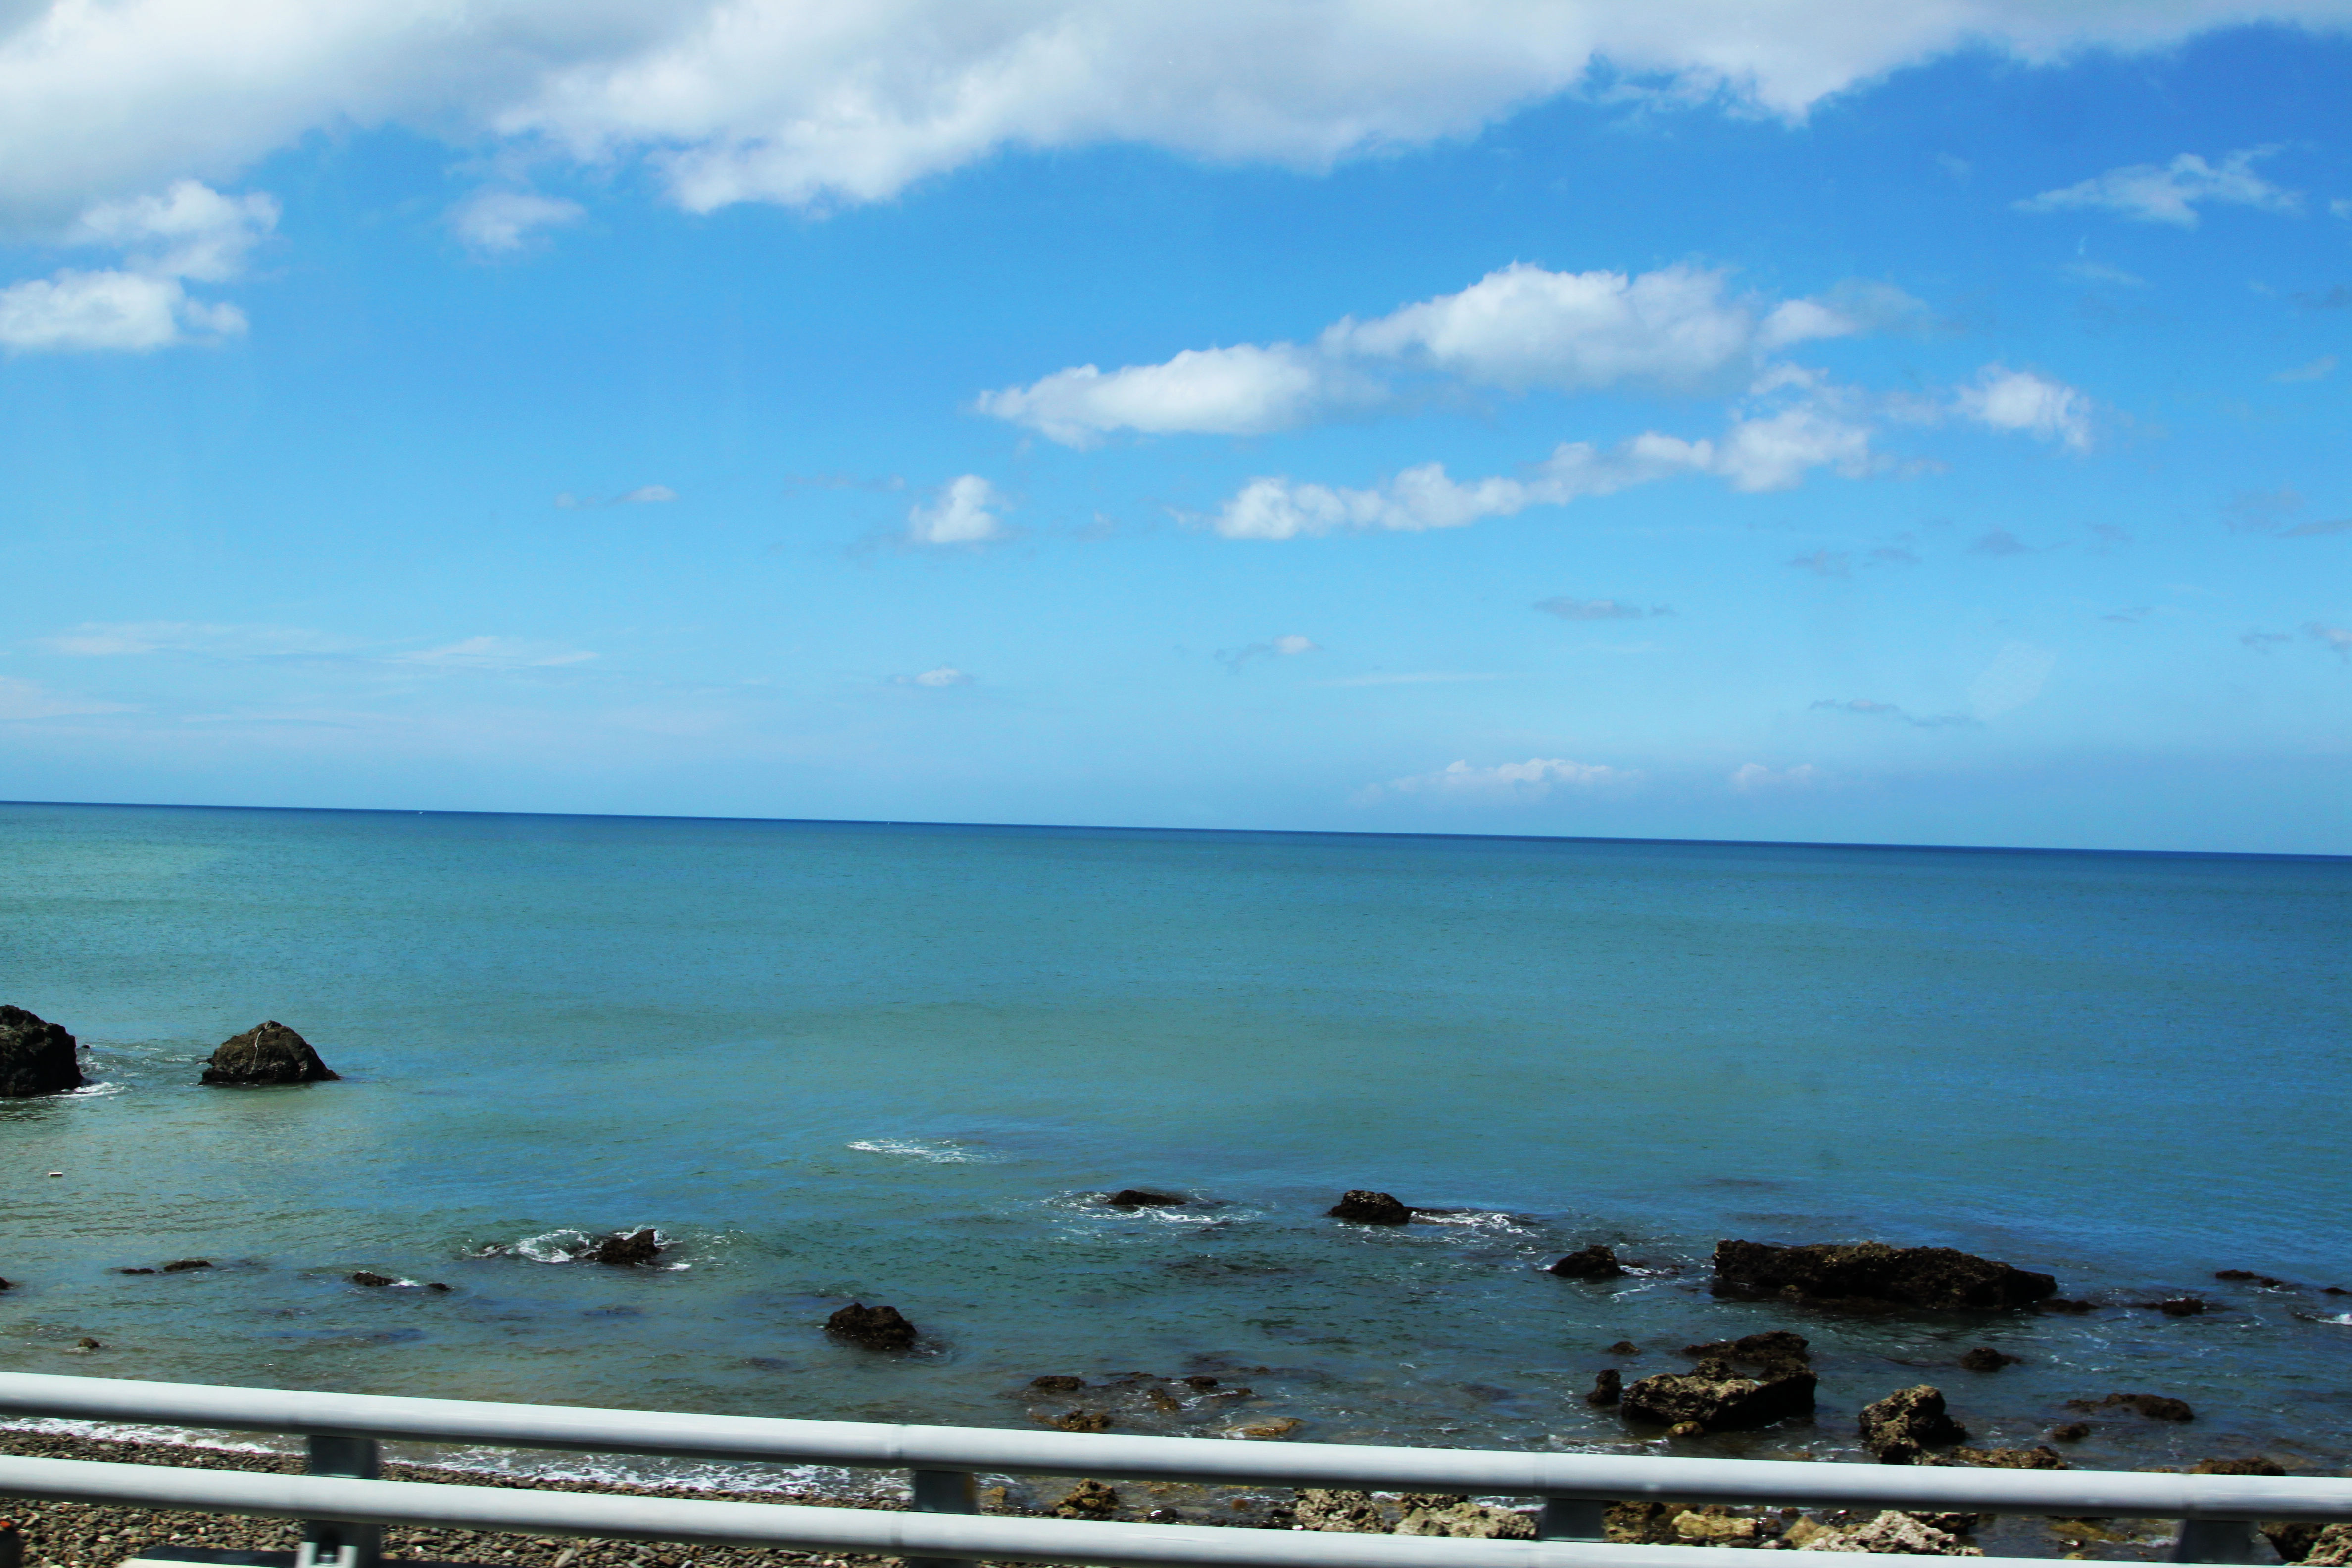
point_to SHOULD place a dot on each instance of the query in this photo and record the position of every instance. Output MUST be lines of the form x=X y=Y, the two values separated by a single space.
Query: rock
x=365 y=1277
x=1900 y=1427
x=2331 y=1549
x=1079 y=1421
x=1717 y=1526
x=268 y=1053
x=2250 y=1275
x=1687 y=1429
x=1717 y=1400
x=1462 y=1518
x=1056 y=1384
x=1776 y=1350
x=1369 y=1208
x=1641 y=1523
x=2060 y=1304
x=436 y=1285
x=1624 y=1347
x=2181 y=1306
x=1595 y=1262
x=2156 y=1406
x=1891 y=1531
x=37 y=1056
x=627 y=1249
x=1201 y=1383
x=134 y=1271
x=1087 y=1499
x=1984 y=1358
x=2071 y=1432
x=2033 y=1458
x=1280 y=1427
x=2254 y=1467
x=1137 y=1198
x=2292 y=1539
x=1873 y=1276
x=1607 y=1387
x=1340 y=1511
x=875 y=1328
x=182 y=1264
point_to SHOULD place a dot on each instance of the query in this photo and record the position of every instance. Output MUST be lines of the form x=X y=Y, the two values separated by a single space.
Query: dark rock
x=37 y=1056
x=436 y=1285
x=1137 y=1198
x=2250 y=1275
x=366 y=1277
x=2060 y=1304
x=623 y=1249
x=1369 y=1208
x=1201 y=1383
x=2071 y=1432
x=2178 y=1306
x=1902 y=1426
x=1778 y=1351
x=875 y=1328
x=1871 y=1275
x=86 y=1343
x=182 y=1264
x=1058 y=1384
x=1624 y=1347
x=1984 y=1358
x=2156 y=1406
x=2254 y=1467
x=1087 y=1499
x=2335 y=1291
x=1079 y=1421
x=268 y=1053
x=134 y=1271
x=1717 y=1400
x=1595 y=1262
x=1607 y=1387
x=2293 y=1539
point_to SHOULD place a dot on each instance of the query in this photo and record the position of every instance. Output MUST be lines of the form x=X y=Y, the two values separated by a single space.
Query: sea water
x=896 y=1063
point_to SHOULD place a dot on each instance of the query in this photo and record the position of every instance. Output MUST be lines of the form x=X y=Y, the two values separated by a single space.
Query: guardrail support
x=1572 y=1518
x=944 y=1491
x=2215 y=1541
x=332 y=1544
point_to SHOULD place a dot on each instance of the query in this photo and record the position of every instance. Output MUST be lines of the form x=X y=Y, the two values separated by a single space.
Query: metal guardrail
x=346 y=1506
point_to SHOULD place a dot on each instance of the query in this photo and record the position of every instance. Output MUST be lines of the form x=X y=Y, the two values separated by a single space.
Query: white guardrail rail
x=346 y=1507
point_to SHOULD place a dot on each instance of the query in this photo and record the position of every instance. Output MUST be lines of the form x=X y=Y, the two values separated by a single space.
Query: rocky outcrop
x=1607 y=1387
x=1087 y=1499
x=1338 y=1511
x=268 y=1053
x=1078 y=1421
x=2178 y=1306
x=1890 y=1532
x=875 y=1328
x=625 y=1249
x=1137 y=1198
x=182 y=1264
x=1461 y=1518
x=2328 y=1547
x=1873 y=1277
x=1712 y=1398
x=1056 y=1384
x=2248 y=1275
x=1902 y=1426
x=1367 y=1207
x=1594 y=1262
x=2070 y=1432
x=37 y=1056
x=1984 y=1358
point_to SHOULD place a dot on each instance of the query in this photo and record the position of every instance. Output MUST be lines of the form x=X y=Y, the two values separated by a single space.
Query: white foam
x=95 y=1092
x=940 y=1153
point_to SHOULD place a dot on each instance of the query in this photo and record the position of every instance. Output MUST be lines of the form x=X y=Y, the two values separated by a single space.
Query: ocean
x=900 y=1063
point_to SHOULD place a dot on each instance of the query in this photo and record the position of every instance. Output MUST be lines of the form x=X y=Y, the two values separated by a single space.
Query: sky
x=1815 y=421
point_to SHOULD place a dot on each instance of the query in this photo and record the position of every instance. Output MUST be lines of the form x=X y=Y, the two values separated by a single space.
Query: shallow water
x=894 y=1063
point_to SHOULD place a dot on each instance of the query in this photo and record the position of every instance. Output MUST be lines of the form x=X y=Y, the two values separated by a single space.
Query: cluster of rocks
x=37 y=1058
x=1145 y=1394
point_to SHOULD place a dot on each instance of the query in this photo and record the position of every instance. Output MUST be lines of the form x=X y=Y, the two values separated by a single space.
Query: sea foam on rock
x=1873 y=1276
x=268 y=1053
x=37 y=1056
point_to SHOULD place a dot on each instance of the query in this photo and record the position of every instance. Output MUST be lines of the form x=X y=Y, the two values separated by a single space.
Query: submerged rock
x=1776 y=1350
x=2181 y=1306
x=1137 y=1198
x=1714 y=1398
x=623 y=1249
x=37 y=1056
x=1902 y=1426
x=1367 y=1207
x=1079 y=1421
x=875 y=1328
x=1984 y=1358
x=1594 y=1262
x=367 y=1277
x=182 y=1264
x=2155 y=1406
x=1054 y=1383
x=268 y=1053
x=2249 y=1276
x=1873 y=1276
x=2071 y=1432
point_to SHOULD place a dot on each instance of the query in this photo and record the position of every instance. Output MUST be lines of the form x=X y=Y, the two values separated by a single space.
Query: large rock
x=875 y=1328
x=1458 y=1516
x=1715 y=1398
x=267 y=1054
x=1595 y=1262
x=1889 y=1532
x=37 y=1056
x=1902 y=1426
x=1367 y=1207
x=1873 y=1276
x=623 y=1249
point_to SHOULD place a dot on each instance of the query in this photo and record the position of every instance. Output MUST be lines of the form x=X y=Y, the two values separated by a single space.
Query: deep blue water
x=895 y=1062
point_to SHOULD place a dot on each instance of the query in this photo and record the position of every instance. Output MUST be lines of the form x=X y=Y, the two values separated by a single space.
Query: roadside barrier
x=346 y=1507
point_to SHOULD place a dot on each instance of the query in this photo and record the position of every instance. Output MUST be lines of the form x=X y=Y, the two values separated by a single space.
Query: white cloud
x=2019 y=400
x=964 y=513
x=1749 y=777
x=492 y=653
x=1289 y=646
x=781 y=100
x=2169 y=192
x=946 y=675
x=496 y=221
x=22 y=700
x=2338 y=639
x=2013 y=678
x=1569 y=609
x=191 y=232
x=1529 y=781
x=1677 y=329
x=645 y=494
x=2316 y=370
x=101 y=640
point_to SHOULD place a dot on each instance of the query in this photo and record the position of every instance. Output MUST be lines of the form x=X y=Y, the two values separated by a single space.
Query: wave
x=95 y=1092
x=565 y=1245
x=941 y=1151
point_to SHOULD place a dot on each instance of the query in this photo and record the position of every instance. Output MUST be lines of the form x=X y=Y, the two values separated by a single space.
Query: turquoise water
x=894 y=1062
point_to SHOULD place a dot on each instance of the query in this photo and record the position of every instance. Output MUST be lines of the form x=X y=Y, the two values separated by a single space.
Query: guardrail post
x=329 y=1542
x=2215 y=1541
x=944 y=1491
x=1572 y=1518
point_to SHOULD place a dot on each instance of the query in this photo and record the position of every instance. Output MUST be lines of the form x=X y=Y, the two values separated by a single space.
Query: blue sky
x=1510 y=418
